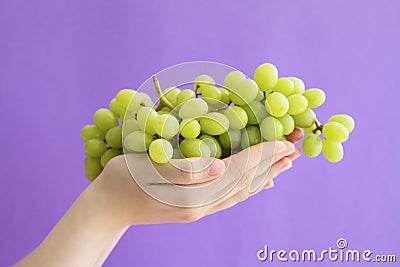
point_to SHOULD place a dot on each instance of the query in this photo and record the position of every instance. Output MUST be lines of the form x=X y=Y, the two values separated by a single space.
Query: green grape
x=224 y=96
x=124 y=97
x=114 y=137
x=92 y=168
x=250 y=137
x=230 y=139
x=333 y=151
x=146 y=117
x=202 y=81
x=171 y=94
x=305 y=119
x=271 y=129
x=266 y=77
x=146 y=100
x=190 y=128
x=130 y=125
x=233 y=78
x=244 y=92
x=287 y=124
x=108 y=155
x=256 y=112
x=138 y=141
x=194 y=148
x=237 y=117
x=214 y=123
x=298 y=85
x=161 y=151
x=276 y=104
x=116 y=107
x=259 y=97
x=90 y=131
x=166 y=109
x=95 y=148
x=137 y=101
x=345 y=120
x=316 y=97
x=284 y=86
x=297 y=104
x=211 y=92
x=193 y=108
x=184 y=96
x=105 y=119
x=166 y=126
x=213 y=145
x=335 y=131
x=161 y=112
x=312 y=145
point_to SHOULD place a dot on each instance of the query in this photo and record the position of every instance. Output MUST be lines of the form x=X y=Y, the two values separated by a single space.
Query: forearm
x=84 y=236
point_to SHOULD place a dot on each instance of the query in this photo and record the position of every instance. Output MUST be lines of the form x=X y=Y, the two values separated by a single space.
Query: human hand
x=131 y=205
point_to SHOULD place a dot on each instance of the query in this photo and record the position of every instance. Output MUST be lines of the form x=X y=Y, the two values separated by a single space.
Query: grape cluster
x=212 y=121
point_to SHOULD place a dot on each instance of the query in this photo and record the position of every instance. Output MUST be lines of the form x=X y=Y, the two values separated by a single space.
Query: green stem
x=163 y=101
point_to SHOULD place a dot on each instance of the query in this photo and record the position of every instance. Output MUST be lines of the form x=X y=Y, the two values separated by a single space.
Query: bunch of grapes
x=212 y=121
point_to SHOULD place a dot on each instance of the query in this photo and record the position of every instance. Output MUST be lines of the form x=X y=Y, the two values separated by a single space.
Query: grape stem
x=318 y=127
x=163 y=101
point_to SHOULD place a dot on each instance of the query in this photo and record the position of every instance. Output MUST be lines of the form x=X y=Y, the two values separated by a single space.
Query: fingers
x=191 y=171
x=295 y=136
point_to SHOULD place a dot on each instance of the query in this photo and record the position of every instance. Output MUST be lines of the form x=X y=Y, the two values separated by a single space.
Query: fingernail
x=286 y=167
x=216 y=168
x=280 y=146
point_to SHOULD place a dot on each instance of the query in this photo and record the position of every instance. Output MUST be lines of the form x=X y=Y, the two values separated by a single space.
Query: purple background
x=61 y=60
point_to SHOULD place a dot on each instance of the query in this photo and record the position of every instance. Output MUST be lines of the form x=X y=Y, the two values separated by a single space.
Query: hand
x=132 y=205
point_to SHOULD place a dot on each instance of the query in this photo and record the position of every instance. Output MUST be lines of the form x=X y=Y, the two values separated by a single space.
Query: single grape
x=284 y=86
x=287 y=124
x=166 y=126
x=161 y=151
x=95 y=148
x=276 y=104
x=299 y=86
x=297 y=104
x=138 y=141
x=130 y=125
x=224 y=96
x=312 y=145
x=237 y=117
x=193 y=108
x=316 y=97
x=184 y=96
x=171 y=94
x=346 y=120
x=114 y=137
x=116 y=107
x=202 y=81
x=214 y=123
x=305 y=119
x=91 y=132
x=255 y=111
x=230 y=139
x=251 y=136
x=335 y=131
x=105 y=119
x=233 y=78
x=92 y=168
x=211 y=92
x=266 y=77
x=146 y=117
x=108 y=155
x=190 y=128
x=244 y=92
x=124 y=97
x=333 y=151
x=213 y=145
x=145 y=100
x=194 y=148
x=271 y=129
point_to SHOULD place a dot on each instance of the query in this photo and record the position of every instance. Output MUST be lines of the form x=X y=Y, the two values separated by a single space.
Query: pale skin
x=95 y=222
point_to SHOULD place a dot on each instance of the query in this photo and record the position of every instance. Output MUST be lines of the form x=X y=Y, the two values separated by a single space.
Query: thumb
x=192 y=171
